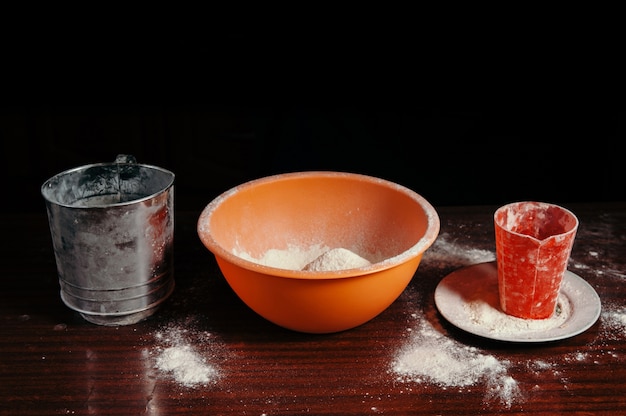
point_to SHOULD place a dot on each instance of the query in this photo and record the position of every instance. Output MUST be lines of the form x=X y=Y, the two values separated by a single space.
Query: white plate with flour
x=468 y=298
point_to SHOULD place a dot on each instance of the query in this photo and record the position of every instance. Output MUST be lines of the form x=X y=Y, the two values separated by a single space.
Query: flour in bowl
x=292 y=258
x=315 y=258
x=337 y=259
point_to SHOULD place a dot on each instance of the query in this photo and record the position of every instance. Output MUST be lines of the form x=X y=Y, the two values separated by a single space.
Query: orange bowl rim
x=429 y=237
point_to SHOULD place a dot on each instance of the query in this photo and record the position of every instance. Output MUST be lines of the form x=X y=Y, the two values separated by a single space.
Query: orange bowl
x=302 y=214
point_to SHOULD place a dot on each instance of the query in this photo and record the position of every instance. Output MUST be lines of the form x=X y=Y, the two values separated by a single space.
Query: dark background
x=461 y=117
x=452 y=156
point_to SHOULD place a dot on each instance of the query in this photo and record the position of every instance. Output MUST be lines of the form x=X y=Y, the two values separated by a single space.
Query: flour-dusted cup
x=533 y=245
x=112 y=229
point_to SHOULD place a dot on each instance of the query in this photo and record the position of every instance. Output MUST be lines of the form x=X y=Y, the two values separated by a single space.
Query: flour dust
x=445 y=253
x=431 y=357
x=179 y=357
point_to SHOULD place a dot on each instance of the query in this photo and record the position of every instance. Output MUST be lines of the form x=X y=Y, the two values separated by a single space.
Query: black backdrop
x=451 y=154
x=461 y=113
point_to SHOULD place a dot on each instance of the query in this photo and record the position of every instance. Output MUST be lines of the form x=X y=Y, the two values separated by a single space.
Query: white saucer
x=468 y=298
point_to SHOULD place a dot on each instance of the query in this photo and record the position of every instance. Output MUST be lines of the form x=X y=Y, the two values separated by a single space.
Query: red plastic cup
x=533 y=245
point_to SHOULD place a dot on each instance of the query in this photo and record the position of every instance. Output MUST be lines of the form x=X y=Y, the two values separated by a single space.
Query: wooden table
x=52 y=362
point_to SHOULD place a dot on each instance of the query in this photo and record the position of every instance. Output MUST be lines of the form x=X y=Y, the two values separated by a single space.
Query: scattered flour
x=178 y=358
x=614 y=322
x=186 y=365
x=430 y=357
x=444 y=252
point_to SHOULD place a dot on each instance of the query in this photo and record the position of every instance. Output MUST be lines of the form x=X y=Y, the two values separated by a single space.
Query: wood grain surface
x=53 y=362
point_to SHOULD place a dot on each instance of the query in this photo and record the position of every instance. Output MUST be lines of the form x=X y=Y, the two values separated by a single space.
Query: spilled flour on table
x=431 y=357
x=177 y=357
x=444 y=252
x=613 y=321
